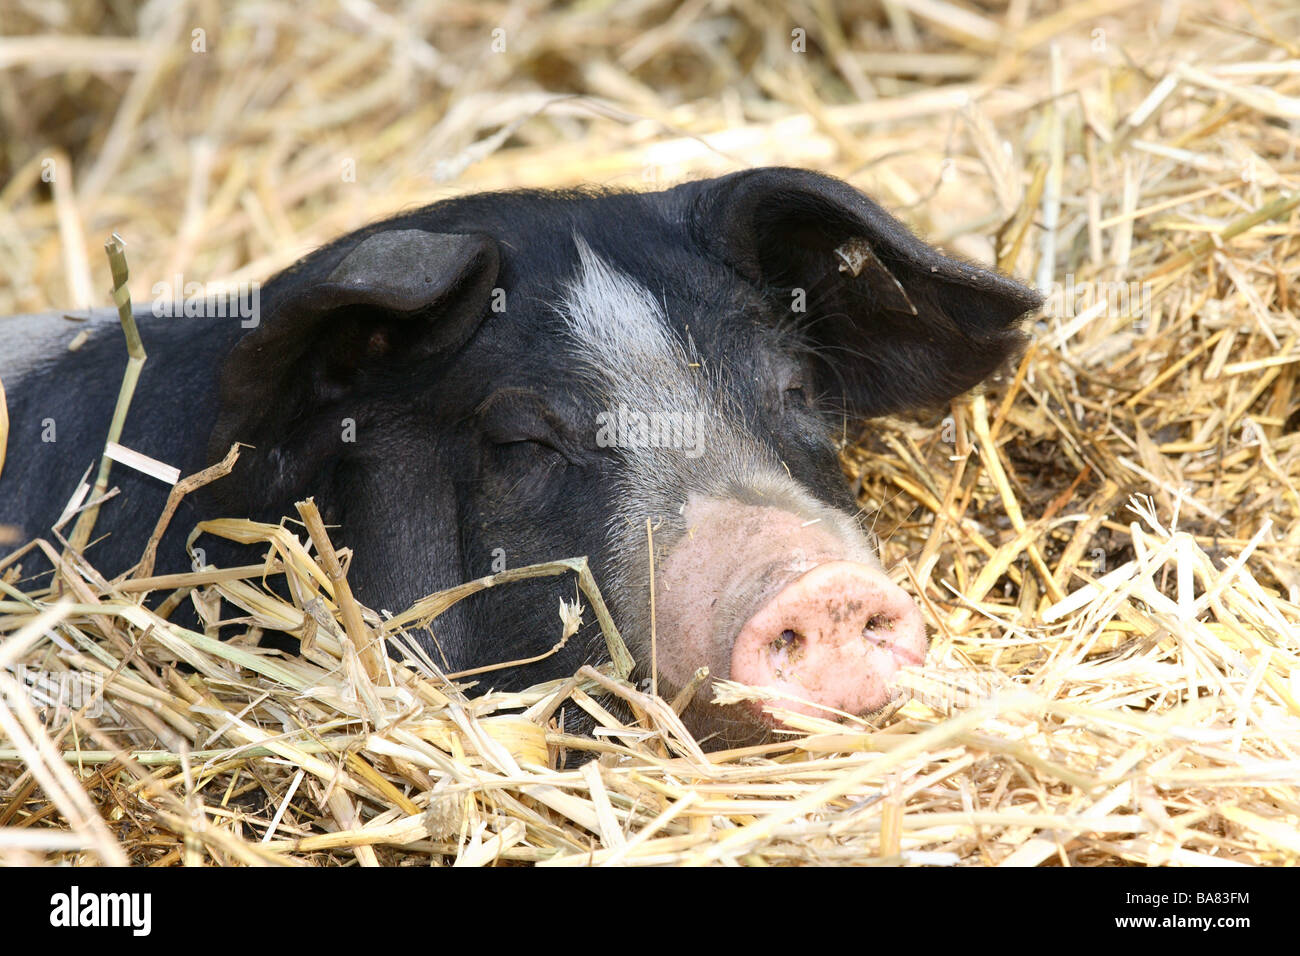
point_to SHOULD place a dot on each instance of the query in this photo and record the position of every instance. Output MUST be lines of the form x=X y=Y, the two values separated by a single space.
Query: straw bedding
x=1105 y=541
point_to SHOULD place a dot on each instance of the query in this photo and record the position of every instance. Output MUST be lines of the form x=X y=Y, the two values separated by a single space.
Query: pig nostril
x=878 y=622
x=787 y=640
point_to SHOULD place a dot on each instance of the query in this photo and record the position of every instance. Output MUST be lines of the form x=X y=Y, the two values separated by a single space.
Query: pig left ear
x=337 y=327
x=895 y=324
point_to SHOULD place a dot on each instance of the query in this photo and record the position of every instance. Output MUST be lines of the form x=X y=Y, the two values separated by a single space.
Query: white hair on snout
x=629 y=356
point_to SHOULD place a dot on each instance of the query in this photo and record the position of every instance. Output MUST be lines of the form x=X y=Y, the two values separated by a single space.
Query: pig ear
x=895 y=324
x=338 y=323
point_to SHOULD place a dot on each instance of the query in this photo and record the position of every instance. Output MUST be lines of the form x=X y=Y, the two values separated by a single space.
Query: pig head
x=659 y=381
x=528 y=376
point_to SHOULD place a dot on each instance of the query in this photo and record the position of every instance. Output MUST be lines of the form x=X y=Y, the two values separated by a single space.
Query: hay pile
x=1106 y=543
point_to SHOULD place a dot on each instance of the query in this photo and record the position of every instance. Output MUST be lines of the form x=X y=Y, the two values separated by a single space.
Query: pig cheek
x=688 y=598
x=700 y=610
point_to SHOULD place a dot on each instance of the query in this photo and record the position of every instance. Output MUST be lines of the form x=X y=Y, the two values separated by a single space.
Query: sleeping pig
x=503 y=379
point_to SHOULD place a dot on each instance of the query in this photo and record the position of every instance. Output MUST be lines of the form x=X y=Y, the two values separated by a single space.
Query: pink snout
x=834 y=636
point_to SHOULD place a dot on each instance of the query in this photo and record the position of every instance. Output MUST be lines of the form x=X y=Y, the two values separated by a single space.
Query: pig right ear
x=339 y=324
x=894 y=324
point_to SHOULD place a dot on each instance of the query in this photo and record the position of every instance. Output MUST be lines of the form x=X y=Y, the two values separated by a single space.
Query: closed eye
x=508 y=440
x=527 y=467
x=796 y=396
x=514 y=416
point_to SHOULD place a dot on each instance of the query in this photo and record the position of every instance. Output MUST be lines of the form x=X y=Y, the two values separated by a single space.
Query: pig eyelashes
x=522 y=470
x=795 y=396
x=523 y=446
x=512 y=415
x=813 y=360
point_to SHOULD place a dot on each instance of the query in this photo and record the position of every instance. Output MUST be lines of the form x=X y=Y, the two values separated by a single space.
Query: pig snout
x=789 y=597
x=835 y=636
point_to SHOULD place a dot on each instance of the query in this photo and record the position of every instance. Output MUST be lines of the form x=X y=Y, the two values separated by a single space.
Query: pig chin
x=791 y=600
